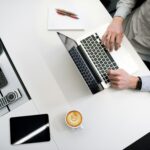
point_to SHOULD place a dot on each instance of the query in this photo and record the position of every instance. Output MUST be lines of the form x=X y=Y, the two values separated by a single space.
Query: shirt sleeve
x=145 y=83
x=124 y=8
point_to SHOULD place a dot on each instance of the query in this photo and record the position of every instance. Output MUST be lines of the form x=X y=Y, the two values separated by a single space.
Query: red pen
x=66 y=13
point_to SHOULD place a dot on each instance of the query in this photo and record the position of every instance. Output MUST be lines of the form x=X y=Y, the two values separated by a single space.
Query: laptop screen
x=68 y=42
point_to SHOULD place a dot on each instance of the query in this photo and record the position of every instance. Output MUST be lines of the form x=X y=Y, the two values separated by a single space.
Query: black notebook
x=29 y=129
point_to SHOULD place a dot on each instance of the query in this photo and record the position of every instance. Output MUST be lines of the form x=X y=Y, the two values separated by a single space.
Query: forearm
x=145 y=83
x=118 y=20
x=124 y=8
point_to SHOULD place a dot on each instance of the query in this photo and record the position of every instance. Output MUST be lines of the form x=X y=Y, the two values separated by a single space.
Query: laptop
x=94 y=60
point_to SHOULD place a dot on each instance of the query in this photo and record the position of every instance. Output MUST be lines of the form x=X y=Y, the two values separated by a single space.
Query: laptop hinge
x=85 y=71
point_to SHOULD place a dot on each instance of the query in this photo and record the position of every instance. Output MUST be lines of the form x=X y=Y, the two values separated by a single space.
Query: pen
x=72 y=16
x=66 y=13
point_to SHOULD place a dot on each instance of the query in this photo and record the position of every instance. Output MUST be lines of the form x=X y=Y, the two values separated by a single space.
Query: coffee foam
x=74 y=119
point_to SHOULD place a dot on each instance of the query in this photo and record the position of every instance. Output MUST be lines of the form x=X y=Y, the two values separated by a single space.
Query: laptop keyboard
x=99 y=55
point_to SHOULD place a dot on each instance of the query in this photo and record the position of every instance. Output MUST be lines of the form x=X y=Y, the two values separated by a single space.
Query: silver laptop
x=94 y=60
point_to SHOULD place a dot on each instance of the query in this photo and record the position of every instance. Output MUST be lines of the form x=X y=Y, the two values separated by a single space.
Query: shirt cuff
x=145 y=84
x=122 y=12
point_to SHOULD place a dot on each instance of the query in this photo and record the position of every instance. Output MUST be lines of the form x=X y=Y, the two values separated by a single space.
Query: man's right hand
x=120 y=79
x=114 y=34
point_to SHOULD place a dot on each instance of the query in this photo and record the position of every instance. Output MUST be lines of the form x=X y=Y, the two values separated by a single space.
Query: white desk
x=112 y=119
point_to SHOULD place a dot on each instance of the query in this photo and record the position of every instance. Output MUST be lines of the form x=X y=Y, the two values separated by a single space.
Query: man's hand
x=114 y=34
x=120 y=79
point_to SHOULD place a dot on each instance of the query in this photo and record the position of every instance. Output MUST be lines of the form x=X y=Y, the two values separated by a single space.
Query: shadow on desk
x=69 y=79
x=66 y=74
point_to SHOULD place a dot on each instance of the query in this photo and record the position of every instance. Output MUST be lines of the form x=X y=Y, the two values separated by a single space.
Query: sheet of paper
x=59 y=22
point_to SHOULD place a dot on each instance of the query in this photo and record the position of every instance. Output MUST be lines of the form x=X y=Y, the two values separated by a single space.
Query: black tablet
x=29 y=129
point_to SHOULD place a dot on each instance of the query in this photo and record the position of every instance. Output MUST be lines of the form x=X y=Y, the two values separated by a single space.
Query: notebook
x=29 y=129
x=60 y=22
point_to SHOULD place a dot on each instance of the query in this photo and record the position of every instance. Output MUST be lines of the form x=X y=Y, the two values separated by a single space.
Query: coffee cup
x=74 y=119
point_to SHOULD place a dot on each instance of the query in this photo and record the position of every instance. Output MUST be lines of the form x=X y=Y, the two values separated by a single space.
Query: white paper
x=59 y=22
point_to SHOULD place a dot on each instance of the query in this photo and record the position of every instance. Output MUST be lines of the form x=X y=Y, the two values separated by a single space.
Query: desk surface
x=112 y=119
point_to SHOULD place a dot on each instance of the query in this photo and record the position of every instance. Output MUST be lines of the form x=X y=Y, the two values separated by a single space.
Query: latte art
x=74 y=118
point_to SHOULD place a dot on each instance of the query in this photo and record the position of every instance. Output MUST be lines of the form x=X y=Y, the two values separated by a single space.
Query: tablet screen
x=29 y=129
